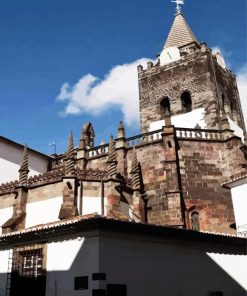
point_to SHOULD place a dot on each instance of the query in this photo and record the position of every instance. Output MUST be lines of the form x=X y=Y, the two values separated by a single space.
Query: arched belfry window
x=186 y=102
x=165 y=105
x=195 y=222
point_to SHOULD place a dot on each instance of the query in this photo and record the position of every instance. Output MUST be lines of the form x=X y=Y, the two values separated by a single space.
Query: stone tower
x=190 y=99
x=188 y=77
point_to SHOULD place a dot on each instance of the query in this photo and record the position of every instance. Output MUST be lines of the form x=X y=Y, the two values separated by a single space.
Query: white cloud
x=120 y=88
x=242 y=86
x=93 y=96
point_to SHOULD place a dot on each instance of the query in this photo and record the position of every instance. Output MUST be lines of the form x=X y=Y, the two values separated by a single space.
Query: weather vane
x=178 y=2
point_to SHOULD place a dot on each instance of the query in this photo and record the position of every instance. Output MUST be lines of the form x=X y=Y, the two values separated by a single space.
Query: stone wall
x=201 y=76
x=203 y=171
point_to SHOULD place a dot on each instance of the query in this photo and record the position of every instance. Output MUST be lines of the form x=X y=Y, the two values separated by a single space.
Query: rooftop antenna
x=178 y=2
x=54 y=146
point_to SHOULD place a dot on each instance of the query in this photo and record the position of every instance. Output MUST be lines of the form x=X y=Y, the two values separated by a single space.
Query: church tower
x=191 y=81
x=190 y=98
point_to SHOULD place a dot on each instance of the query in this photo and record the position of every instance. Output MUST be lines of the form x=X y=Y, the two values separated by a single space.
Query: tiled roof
x=180 y=33
x=81 y=224
x=236 y=181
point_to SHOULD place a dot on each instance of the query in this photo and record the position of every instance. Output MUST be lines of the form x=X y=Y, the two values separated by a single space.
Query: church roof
x=180 y=33
x=80 y=224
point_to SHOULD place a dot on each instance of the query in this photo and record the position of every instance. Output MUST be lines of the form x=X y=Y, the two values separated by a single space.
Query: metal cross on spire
x=178 y=2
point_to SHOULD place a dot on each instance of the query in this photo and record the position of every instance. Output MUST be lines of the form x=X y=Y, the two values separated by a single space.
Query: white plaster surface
x=237 y=130
x=234 y=265
x=5 y=215
x=67 y=260
x=180 y=268
x=44 y=211
x=239 y=199
x=92 y=205
x=187 y=120
x=11 y=158
x=4 y=259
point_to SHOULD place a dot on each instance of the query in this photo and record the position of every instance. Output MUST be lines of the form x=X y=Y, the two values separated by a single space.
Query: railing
x=99 y=150
x=185 y=133
x=198 y=134
x=144 y=138
x=242 y=230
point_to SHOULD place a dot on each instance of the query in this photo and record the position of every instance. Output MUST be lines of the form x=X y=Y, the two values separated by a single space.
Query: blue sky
x=45 y=44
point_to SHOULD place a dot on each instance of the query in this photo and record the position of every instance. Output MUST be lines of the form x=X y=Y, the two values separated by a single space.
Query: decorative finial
x=70 y=159
x=121 y=130
x=23 y=171
x=178 y=2
x=135 y=172
x=112 y=160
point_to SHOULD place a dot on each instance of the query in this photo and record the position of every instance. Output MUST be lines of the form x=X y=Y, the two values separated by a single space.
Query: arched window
x=186 y=102
x=165 y=105
x=195 y=223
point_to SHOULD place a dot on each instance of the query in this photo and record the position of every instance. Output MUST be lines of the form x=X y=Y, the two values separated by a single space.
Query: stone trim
x=53 y=176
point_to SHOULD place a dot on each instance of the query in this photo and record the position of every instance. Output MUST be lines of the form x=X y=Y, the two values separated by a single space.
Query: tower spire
x=180 y=34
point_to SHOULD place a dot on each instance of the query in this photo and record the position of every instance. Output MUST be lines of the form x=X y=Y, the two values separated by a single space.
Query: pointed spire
x=180 y=33
x=121 y=130
x=23 y=171
x=135 y=172
x=112 y=160
x=70 y=158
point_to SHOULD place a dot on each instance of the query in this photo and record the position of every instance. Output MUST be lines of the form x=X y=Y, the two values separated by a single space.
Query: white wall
x=237 y=130
x=181 y=268
x=5 y=215
x=44 y=211
x=92 y=205
x=11 y=158
x=235 y=266
x=4 y=259
x=69 y=259
x=239 y=199
x=187 y=120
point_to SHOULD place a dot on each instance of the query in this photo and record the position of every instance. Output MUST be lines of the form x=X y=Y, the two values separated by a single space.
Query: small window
x=165 y=105
x=215 y=293
x=195 y=223
x=99 y=292
x=81 y=283
x=169 y=144
x=119 y=290
x=186 y=102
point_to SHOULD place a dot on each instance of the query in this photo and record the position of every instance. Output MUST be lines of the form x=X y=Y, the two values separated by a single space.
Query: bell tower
x=189 y=80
